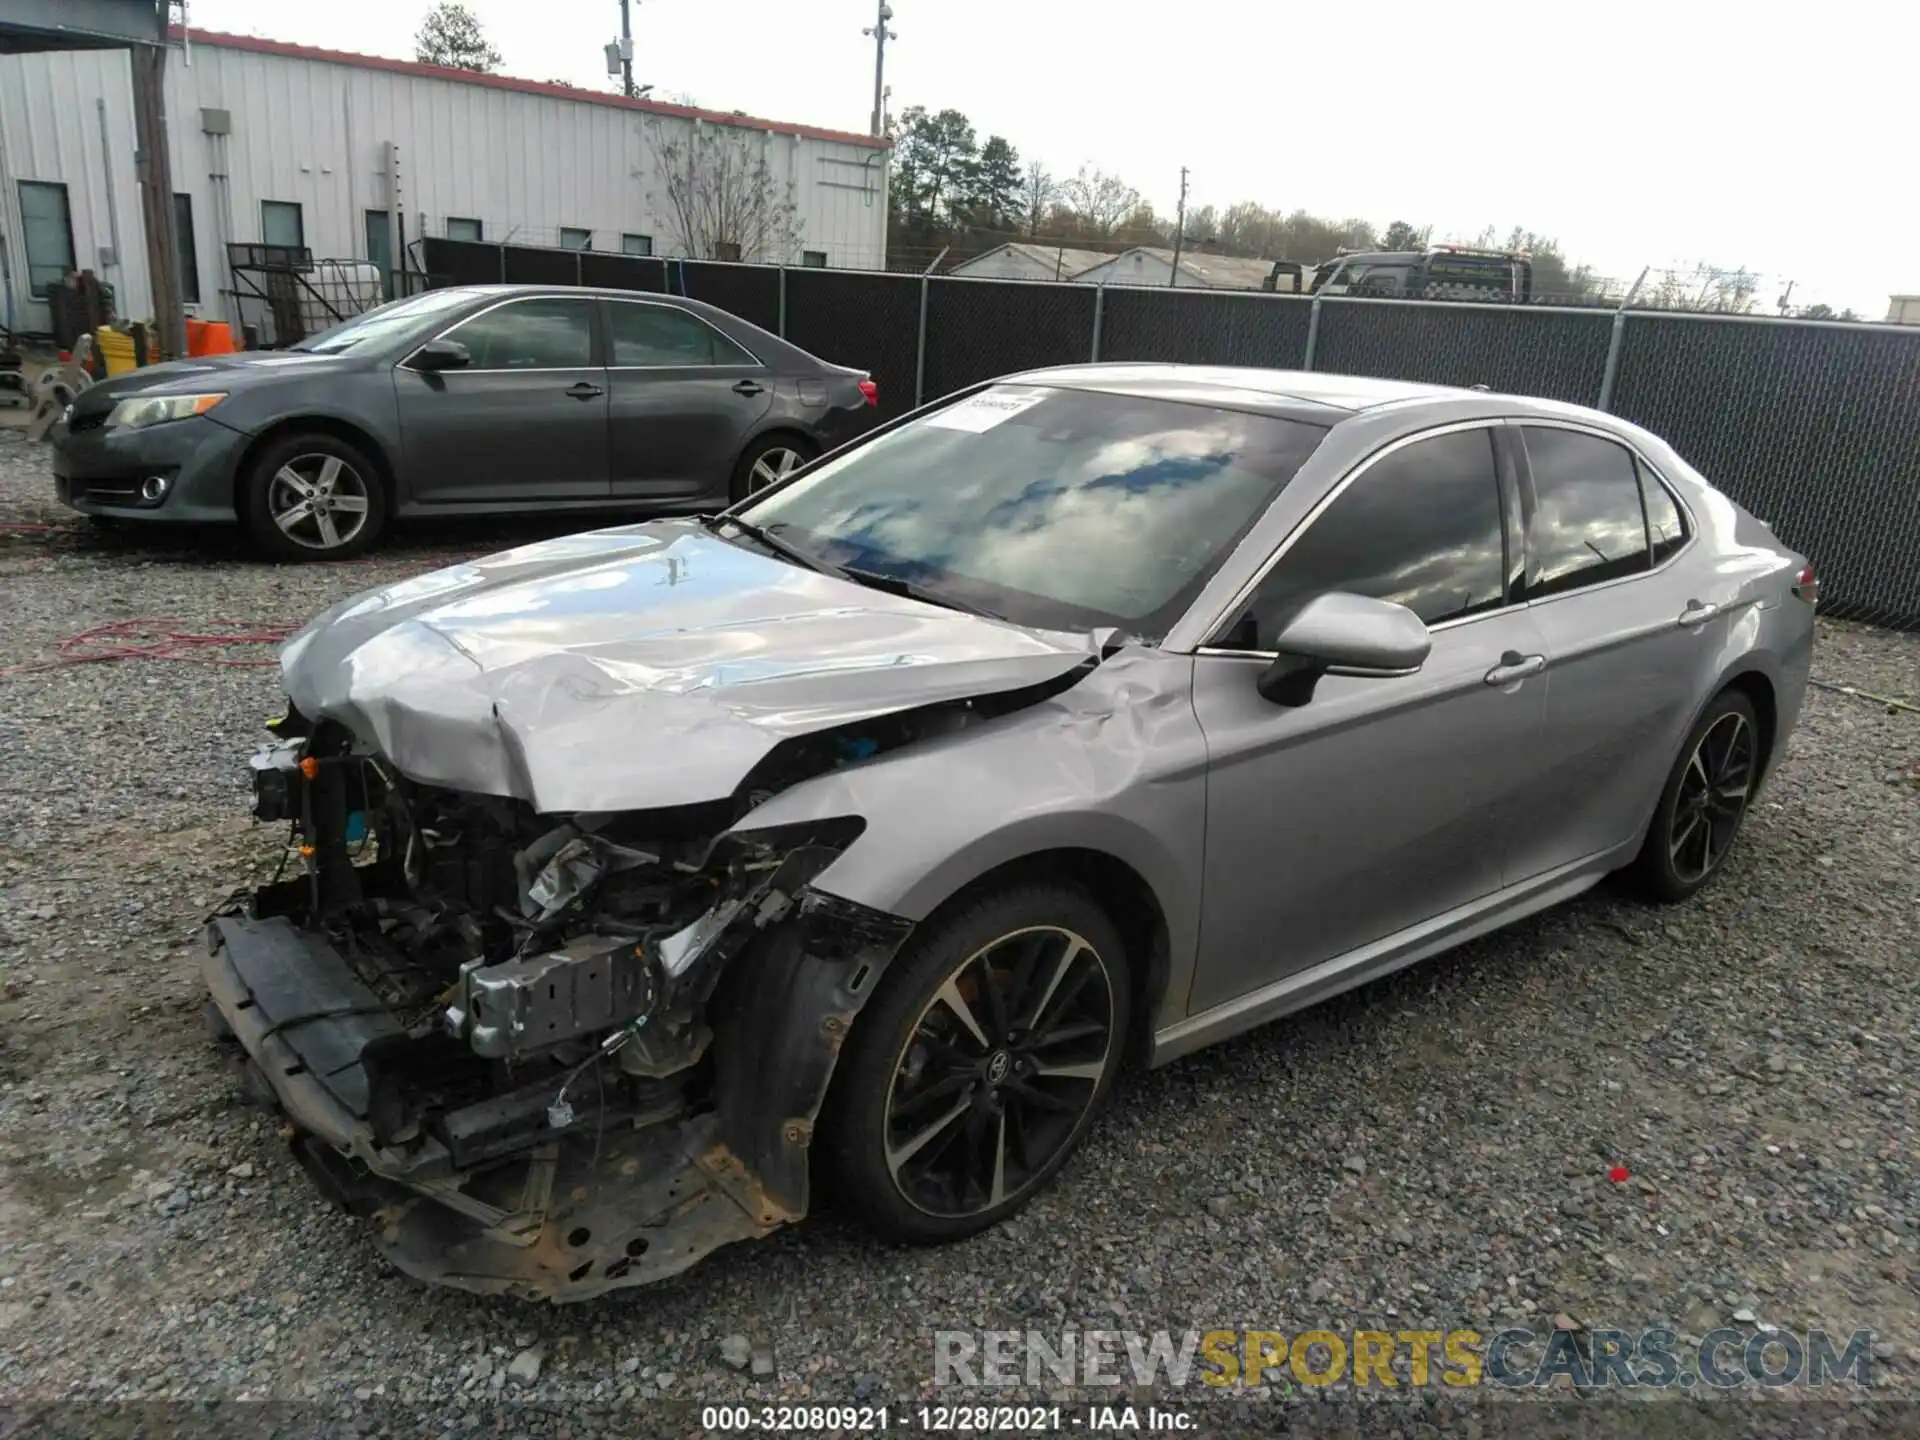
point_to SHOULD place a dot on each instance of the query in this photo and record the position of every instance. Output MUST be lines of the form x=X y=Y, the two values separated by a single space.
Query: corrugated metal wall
x=317 y=133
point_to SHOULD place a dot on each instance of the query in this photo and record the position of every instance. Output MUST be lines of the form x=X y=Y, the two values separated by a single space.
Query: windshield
x=1062 y=509
x=384 y=323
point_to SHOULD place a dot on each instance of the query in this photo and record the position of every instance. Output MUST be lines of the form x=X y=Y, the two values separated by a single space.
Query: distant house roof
x=261 y=46
x=1217 y=272
x=1054 y=259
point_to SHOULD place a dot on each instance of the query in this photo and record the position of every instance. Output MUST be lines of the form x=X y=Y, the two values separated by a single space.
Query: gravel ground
x=1434 y=1148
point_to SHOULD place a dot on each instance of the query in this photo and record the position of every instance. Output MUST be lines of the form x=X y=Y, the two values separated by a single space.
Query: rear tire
x=313 y=496
x=1704 y=802
x=994 y=1040
x=770 y=458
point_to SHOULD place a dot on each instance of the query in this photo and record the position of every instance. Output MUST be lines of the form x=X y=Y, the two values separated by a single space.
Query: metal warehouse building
x=355 y=156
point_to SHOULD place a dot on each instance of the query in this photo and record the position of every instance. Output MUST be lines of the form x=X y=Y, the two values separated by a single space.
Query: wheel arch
x=336 y=426
x=1758 y=688
x=779 y=427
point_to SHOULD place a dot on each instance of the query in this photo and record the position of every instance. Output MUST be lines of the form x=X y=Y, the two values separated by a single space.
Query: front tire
x=313 y=496
x=994 y=1040
x=1704 y=801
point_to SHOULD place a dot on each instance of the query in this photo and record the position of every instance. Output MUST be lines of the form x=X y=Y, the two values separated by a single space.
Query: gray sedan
x=873 y=828
x=485 y=399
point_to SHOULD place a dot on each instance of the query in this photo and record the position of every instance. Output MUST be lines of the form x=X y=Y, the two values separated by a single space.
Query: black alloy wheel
x=1705 y=800
x=979 y=1067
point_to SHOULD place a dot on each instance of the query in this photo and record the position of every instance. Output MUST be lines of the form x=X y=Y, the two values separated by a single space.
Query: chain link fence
x=1814 y=426
x=1527 y=350
x=1205 y=327
x=977 y=329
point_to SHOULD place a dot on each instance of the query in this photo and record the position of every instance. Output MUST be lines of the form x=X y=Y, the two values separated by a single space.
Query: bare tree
x=1706 y=287
x=1103 y=201
x=1038 y=191
x=721 y=199
x=451 y=36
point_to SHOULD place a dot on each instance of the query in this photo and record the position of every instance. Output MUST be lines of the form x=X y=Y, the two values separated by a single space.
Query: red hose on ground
x=155 y=638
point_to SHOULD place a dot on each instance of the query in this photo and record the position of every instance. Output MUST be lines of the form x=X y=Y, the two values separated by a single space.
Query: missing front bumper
x=566 y=1220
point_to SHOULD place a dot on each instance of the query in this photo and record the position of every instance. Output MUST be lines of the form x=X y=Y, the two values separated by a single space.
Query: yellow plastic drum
x=115 y=350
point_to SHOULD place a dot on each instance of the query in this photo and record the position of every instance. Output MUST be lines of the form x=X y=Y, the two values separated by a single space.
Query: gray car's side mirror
x=441 y=355
x=1342 y=634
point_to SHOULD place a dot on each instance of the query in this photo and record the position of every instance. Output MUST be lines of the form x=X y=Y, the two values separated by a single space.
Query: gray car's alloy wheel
x=1704 y=801
x=976 y=1070
x=774 y=464
x=768 y=461
x=314 y=496
x=318 y=501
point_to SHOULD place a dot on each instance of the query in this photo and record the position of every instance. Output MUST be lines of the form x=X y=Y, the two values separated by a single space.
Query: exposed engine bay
x=549 y=1055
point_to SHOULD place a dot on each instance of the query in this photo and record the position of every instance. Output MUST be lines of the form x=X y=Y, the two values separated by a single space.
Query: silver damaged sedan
x=858 y=838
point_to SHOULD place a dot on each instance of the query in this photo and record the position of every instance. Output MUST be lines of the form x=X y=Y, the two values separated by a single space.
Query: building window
x=280 y=224
x=459 y=228
x=817 y=259
x=47 y=227
x=572 y=239
x=185 y=251
x=726 y=250
x=380 y=249
x=636 y=244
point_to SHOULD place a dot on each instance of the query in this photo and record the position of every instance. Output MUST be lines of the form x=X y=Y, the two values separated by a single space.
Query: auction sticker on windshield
x=986 y=410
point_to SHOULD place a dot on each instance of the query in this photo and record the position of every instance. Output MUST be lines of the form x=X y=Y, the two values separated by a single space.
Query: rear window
x=1064 y=509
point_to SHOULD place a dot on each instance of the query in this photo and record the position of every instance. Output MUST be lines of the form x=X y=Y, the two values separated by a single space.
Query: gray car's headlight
x=140 y=411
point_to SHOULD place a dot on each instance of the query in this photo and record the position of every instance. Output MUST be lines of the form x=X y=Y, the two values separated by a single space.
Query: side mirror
x=1341 y=634
x=440 y=355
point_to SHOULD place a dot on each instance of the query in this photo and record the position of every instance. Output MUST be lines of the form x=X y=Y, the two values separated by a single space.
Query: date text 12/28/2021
x=945 y=1419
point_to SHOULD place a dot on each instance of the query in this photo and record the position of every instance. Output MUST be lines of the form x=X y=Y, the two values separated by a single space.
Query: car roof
x=1300 y=394
x=575 y=292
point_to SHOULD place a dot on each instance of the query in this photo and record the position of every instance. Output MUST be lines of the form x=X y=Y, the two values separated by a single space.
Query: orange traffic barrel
x=196 y=337
x=219 y=338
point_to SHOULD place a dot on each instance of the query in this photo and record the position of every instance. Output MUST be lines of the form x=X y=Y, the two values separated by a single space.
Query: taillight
x=870 y=391
x=1807 y=587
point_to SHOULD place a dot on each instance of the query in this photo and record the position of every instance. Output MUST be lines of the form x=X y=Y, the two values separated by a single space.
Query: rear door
x=1632 y=632
x=525 y=419
x=682 y=400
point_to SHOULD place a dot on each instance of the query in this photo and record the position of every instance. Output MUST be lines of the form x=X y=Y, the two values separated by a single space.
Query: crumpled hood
x=639 y=667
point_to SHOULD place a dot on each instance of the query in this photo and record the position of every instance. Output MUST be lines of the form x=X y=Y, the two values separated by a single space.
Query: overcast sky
x=1636 y=133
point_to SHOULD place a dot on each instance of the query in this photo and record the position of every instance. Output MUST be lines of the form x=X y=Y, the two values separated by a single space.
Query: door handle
x=748 y=387
x=584 y=391
x=1515 y=666
x=1697 y=614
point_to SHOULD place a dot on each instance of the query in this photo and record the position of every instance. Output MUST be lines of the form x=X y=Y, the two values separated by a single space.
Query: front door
x=1380 y=802
x=524 y=419
x=683 y=400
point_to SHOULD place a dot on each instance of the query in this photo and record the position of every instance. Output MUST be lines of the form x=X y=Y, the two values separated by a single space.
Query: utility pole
x=626 y=49
x=1179 y=228
x=878 y=30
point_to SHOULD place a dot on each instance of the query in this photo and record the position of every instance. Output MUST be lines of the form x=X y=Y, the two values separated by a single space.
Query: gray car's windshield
x=1052 y=507
x=384 y=323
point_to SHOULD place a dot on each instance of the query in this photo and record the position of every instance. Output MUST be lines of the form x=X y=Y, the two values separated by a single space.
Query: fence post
x=920 y=352
x=1313 y=334
x=503 y=263
x=1613 y=360
x=1099 y=317
x=780 y=325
